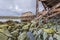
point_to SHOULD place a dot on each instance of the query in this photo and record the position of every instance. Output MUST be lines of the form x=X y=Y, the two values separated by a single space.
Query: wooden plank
x=42 y=0
x=56 y=10
x=43 y=13
x=50 y=2
x=53 y=14
x=57 y=5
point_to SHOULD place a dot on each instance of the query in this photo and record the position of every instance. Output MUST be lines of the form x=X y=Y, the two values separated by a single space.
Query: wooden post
x=37 y=7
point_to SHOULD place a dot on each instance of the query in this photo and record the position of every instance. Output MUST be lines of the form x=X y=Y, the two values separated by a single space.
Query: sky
x=17 y=7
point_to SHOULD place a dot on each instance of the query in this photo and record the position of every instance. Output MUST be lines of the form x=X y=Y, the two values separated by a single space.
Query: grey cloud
x=17 y=7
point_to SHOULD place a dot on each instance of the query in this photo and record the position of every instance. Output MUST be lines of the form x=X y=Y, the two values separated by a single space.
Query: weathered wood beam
x=53 y=14
x=50 y=2
x=43 y=13
x=56 y=10
x=42 y=0
x=44 y=5
x=53 y=10
x=57 y=5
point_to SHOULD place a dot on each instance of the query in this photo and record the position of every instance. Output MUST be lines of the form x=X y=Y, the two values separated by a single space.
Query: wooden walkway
x=10 y=17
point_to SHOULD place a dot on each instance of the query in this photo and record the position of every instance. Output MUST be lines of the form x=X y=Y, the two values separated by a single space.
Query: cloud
x=15 y=7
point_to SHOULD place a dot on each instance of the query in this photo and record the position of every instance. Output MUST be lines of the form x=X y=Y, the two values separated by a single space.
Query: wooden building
x=27 y=17
x=53 y=9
